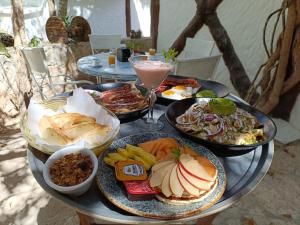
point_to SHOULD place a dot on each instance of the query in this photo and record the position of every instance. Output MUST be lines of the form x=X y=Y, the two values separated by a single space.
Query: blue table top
x=121 y=71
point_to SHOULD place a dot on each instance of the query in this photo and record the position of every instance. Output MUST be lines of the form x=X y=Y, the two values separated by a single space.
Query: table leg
x=99 y=80
x=207 y=220
x=84 y=219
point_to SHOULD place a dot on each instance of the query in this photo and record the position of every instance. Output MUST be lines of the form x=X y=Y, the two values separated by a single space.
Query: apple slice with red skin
x=157 y=177
x=165 y=186
x=192 y=167
x=186 y=185
x=194 y=181
x=175 y=185
x=159 y=165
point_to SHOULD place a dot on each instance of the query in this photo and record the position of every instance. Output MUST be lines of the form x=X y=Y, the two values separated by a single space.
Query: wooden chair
x=37 y=66
x=203 y=68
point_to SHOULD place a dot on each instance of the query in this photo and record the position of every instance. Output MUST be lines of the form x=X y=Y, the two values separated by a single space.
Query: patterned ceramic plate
x=116 y=193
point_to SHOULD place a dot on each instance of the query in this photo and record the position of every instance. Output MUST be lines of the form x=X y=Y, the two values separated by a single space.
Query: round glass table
x=243 y=172
x=121 y=70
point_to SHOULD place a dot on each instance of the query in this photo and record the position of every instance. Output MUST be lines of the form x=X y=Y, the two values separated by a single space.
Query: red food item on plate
x=140 y=190
x=124 y=99
x=171 y=81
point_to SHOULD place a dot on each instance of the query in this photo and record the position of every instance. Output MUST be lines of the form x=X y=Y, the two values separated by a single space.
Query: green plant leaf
x=176 y=152
x=170 y=55
x=3 y=50
x=35 y=42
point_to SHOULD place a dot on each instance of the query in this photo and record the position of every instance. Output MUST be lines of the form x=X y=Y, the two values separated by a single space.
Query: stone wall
x=15 y=80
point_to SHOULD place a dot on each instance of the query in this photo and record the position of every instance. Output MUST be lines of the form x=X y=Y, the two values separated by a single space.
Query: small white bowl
x=78 y=189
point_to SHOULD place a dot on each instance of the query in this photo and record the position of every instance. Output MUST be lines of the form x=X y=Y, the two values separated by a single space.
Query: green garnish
x=206 y=94
x=3 y=50
x=93 y=94
x=222 y=106
x=176 y=152
x=170 y=55
x=35 y=42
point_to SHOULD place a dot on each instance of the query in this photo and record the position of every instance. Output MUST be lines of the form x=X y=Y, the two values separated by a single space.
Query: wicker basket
x=97 y=149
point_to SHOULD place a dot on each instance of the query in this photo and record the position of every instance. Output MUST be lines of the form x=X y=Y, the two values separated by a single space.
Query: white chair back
x=196 y=48
x=36 y=64
x=203 y=68
x=101 y=42
x=36 y=60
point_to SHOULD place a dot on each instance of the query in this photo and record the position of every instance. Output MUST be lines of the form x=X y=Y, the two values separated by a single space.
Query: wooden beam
x=18 y=22
x=51 y=5
x=128 y=17
x=154 y=12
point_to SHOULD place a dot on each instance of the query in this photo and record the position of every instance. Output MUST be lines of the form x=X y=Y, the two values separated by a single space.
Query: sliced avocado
x=206 y=94
x=222 y=106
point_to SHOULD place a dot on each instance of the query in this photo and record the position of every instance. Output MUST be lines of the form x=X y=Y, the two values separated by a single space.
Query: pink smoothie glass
x=151 y=73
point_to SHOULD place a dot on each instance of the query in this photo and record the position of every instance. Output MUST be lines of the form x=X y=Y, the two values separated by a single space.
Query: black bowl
x=177 y=108
x=123 y=117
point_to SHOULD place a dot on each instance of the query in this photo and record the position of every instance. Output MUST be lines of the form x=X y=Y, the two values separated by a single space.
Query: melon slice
x=156 y=178
x=175 y=185
x=186 y=185
x=192 y=167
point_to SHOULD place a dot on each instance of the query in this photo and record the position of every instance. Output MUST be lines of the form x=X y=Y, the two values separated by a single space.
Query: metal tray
x=243 y=174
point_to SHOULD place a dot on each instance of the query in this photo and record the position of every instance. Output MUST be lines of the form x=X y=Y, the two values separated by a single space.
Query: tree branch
x=204 y=7
x=238 y=75
x=273 y=99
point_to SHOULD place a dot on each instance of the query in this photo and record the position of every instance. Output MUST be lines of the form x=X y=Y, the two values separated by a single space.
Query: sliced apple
x=192 y=167
x=156 y=178
x=165 y=186
x=197 y=183
x=175 y=185
x=208 y=166
x=159 y=165
x=186 y=185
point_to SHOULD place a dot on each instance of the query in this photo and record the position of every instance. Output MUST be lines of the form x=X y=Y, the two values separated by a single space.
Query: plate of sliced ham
x=127 y=101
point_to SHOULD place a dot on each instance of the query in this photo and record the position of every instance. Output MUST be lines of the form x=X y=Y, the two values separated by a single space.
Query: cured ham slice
x=124 y=99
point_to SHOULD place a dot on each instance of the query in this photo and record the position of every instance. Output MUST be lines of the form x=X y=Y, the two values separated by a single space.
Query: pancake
x=187 y=199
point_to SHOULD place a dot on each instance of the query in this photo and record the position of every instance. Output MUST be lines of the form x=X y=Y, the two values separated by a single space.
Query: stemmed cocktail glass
x=151 y=73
